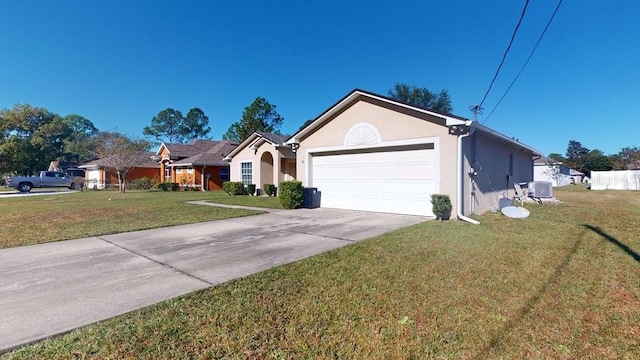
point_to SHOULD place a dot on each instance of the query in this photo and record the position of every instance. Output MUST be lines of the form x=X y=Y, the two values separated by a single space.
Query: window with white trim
x=189 y=169
x=179 y=170
x=246 y=173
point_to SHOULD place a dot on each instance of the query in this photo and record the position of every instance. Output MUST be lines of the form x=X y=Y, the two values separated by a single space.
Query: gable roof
x=543 y=160
x=214 y=156
x=258 y=138
x=448 y=120
x=102 y=162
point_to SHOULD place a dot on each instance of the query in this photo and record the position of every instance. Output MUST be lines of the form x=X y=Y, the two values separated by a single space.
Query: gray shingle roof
x=212 y=157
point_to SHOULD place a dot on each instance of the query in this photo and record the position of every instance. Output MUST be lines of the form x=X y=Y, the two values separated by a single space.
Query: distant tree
x=121 y=153
x=576 y=155
x=80 y=145
x=596 y=160
x=422 y=97
x=171 y=126
x=30 y=138
x=166 y=126
x=556 y=156
x=259 y=116
x=196 y=125
x=630 y=157
x=306 y=123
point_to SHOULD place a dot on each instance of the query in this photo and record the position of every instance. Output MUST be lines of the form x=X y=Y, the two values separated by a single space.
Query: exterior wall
x=101 y=178
x=263 y=173
x=544 y=172
x=496 y=167
x=615 y=180
x=394 y=125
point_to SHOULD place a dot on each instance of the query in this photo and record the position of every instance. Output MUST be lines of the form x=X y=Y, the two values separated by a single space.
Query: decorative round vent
x=362 y=134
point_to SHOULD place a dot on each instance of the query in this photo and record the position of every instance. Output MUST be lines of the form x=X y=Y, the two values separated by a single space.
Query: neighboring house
x=199 y=164
x=263 y=159
x=615 y=180
x=553 y=171
x=577 y=176
x=97 y=176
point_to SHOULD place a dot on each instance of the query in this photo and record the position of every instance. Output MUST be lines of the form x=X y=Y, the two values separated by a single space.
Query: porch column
x=276 y=168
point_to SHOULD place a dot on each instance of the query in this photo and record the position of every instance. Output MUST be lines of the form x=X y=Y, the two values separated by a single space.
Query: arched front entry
x=266 y=170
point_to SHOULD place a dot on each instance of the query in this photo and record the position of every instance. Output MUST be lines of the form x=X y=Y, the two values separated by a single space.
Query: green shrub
x=269 y=189
x=163 y=186
x=174 y=186
x=233 y=187
x=441 y=206
x=141 y=184
x=251 y=189
x=291 y=194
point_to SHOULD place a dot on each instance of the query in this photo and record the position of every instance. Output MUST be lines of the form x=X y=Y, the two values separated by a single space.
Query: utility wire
x=526 y=62
x=504 y=57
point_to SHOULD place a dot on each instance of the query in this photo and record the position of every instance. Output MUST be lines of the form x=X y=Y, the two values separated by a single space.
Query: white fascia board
x=247 y=142
x=295 y=138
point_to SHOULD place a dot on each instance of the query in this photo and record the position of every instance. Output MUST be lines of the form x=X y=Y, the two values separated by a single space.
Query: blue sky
x=119 y=63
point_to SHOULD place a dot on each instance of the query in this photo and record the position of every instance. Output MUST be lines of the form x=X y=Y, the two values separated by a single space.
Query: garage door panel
x=394 y=181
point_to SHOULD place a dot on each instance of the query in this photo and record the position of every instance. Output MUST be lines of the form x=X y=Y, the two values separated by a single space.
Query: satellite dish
x=515 y=212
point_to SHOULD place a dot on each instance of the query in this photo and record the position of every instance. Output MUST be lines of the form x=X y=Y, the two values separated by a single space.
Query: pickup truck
x=46 y=179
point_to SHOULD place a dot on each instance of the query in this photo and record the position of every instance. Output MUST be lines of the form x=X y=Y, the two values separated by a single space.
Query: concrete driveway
x=49 y=289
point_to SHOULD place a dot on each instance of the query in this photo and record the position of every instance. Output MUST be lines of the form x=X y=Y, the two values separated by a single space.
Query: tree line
x=580 y=158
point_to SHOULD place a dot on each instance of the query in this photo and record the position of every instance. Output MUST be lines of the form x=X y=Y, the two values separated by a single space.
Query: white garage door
x=399 y=181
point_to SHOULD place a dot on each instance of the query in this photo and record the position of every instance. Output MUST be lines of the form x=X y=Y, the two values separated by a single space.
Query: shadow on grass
x=531 y=302
x=614 y=241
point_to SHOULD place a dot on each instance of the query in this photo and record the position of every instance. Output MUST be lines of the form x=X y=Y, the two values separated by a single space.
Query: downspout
x=461 y=179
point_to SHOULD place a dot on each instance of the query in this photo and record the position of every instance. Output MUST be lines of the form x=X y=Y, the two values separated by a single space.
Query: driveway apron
x=50 y=289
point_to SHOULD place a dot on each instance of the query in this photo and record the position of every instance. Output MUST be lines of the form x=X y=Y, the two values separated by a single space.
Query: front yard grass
x=52 y=217
x=562 y=284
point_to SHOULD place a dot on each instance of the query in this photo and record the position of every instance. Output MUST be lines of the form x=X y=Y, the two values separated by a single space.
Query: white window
x=189 y=169
x=167 y=173
x=178 y=170
x=246 y=173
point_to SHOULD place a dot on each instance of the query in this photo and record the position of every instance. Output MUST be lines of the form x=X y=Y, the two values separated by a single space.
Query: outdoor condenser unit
x=540 y=189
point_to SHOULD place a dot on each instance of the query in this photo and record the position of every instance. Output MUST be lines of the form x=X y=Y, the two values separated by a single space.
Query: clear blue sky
x=119 y=63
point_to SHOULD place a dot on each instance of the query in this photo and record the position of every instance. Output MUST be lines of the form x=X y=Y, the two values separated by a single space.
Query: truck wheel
x=24 y=187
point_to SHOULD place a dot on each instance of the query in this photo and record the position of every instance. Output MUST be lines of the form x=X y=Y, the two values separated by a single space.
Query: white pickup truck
x=46 y=179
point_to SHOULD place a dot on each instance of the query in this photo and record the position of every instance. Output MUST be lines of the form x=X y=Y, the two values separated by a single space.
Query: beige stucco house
x=262 y=159
x=369 y=152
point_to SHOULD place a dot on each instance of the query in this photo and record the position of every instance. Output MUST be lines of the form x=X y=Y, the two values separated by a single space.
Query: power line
x=504 y=57
x=526 y=62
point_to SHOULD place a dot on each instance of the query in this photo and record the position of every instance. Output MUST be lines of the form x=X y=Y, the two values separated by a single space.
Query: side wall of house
x=491 y=167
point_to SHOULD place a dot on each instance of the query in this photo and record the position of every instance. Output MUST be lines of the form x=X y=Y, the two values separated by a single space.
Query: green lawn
x=562 y=284
x=45 y=218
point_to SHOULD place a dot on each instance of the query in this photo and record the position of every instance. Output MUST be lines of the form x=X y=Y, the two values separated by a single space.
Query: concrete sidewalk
x=49 y=289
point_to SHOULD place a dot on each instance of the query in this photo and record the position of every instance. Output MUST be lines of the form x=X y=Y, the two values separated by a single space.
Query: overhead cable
x=504 y=57
x=526 y=62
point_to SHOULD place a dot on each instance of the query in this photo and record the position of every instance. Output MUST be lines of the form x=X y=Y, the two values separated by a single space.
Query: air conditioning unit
x=540 y=189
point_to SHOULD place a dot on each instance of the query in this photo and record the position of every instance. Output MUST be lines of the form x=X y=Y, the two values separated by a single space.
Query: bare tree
x=120 y=154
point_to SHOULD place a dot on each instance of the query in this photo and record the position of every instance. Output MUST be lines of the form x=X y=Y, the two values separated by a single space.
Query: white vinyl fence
x=615 y=180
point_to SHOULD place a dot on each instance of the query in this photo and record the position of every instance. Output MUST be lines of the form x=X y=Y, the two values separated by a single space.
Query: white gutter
x=461 y=179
